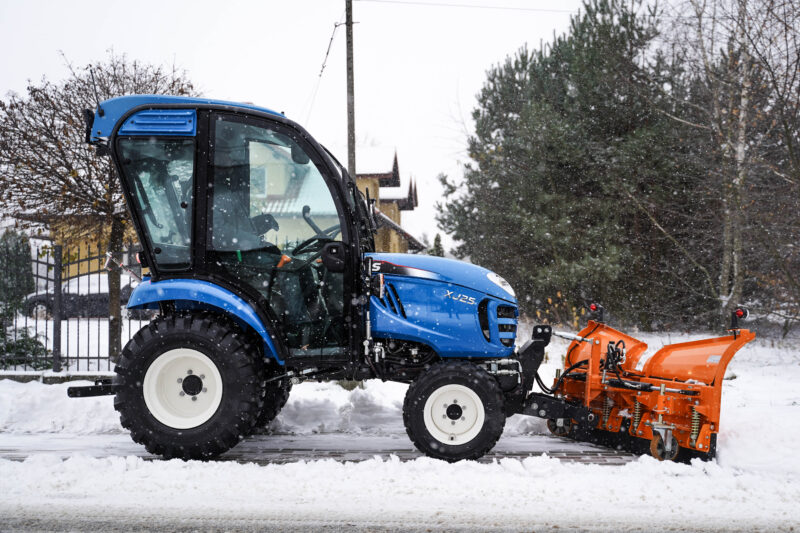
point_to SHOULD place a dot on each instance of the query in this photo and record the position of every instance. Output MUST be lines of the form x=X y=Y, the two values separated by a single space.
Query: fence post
x=57 y=303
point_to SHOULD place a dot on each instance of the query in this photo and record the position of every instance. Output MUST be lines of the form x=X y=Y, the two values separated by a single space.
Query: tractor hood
x=445 y=270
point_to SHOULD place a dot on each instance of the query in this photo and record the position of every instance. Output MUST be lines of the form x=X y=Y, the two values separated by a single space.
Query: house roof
x=404 y=197
x=371 y=169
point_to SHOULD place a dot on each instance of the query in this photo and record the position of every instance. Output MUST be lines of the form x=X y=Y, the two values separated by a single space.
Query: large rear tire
x=454 y=411
x=189 y=386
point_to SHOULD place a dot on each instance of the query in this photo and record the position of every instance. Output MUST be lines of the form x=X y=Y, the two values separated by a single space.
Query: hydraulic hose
x=560 y=379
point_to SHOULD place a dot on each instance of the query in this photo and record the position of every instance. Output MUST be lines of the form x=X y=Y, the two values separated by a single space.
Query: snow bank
x=328 y=408
x=37 y=408
x=527 y=494
x=375 y=409
x=312 y=408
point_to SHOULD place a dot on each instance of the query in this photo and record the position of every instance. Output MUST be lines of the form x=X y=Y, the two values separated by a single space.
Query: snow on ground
x=754 y=484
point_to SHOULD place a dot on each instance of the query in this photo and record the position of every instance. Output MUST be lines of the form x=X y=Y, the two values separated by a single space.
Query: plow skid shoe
x=667 y=403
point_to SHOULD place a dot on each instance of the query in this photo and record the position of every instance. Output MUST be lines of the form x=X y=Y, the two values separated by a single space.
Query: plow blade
x=667 y=402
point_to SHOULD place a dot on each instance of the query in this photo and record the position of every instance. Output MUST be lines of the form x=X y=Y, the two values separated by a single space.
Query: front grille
x=507 y=324
x=483 y=319
x=502 y=326
x=506 y=311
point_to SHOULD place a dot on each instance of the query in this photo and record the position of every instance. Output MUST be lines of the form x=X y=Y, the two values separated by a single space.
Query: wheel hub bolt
x=181 y=393
x=194 y=398
x=205 y=389
x=189 y=371
x=453 y=422
x=180 y=380
x=202 y=376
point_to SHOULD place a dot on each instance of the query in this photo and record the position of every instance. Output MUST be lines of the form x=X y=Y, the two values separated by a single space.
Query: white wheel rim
x=39 y=311
x=173 y=393
x=440 y=414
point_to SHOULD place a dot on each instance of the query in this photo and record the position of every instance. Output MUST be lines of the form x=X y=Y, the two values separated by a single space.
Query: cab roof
x=110 y=112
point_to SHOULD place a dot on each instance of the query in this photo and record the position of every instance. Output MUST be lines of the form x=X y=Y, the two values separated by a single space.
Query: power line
x=322 y=69
x=475 y=6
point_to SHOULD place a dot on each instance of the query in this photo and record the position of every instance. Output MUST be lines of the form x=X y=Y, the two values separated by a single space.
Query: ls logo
x=460 y=297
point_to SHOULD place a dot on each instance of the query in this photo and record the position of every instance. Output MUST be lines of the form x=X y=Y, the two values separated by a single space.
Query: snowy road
x=280 y=449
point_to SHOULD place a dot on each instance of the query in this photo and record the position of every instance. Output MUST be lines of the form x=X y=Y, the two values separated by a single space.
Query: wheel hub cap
x=454 y=414
x=182 y=388
x=192 y=385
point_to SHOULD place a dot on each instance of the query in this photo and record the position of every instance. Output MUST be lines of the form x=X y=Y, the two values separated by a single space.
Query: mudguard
x=198 y=294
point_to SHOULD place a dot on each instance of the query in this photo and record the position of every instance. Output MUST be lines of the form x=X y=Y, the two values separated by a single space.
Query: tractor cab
x=245 y=199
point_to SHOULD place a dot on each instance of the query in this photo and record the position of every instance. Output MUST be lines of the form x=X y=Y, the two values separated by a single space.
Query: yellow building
x=83 y=249
x=391 y=199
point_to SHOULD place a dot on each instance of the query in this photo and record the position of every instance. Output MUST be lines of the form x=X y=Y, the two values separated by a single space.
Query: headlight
x=500 y=282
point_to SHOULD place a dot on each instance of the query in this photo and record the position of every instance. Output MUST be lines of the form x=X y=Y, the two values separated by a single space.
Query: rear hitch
x=101 y=387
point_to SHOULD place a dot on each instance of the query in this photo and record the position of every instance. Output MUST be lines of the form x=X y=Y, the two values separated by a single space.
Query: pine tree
x=17 y=275
x=437 y=249
x=541 y=204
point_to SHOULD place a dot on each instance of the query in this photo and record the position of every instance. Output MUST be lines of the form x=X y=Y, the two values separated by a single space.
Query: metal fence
x=64 y=324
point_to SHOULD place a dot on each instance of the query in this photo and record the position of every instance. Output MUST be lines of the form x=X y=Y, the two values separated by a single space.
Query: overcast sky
x=418 y=64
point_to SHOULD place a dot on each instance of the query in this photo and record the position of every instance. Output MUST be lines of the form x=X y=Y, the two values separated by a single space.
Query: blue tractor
x=263 y=270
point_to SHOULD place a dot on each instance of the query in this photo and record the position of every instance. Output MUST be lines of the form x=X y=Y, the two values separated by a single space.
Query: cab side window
x=160 y=175
x=270 y=213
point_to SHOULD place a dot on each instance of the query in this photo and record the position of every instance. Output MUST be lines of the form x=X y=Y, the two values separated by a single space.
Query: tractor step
x=101 y=387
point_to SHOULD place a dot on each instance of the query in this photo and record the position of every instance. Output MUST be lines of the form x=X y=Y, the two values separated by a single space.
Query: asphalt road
x=277 y=449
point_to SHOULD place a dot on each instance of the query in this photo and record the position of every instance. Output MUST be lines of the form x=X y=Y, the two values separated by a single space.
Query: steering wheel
x=306 y=244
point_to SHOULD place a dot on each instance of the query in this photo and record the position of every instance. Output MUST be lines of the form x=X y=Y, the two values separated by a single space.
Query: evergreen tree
x=17 y=348
x=542 y=203
x=16 y=280
x=437 y=249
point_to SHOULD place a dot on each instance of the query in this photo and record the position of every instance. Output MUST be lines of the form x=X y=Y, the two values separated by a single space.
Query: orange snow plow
x=668 y=401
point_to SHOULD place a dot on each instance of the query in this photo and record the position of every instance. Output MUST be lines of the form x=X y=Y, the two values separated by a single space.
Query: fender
x=188 y=293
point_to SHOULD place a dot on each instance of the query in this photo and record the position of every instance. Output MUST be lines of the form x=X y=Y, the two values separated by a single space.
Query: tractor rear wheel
x=189 y=386
x=454 y=411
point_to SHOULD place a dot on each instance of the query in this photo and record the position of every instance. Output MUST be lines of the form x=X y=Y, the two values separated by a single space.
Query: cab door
x=273 y=214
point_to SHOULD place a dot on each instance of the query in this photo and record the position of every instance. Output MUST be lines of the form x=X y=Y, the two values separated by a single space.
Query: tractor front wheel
x=189 y=386
x=454 y=411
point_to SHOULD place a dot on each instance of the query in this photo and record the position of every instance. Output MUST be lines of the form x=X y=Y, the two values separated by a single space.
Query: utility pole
x=351 y=114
